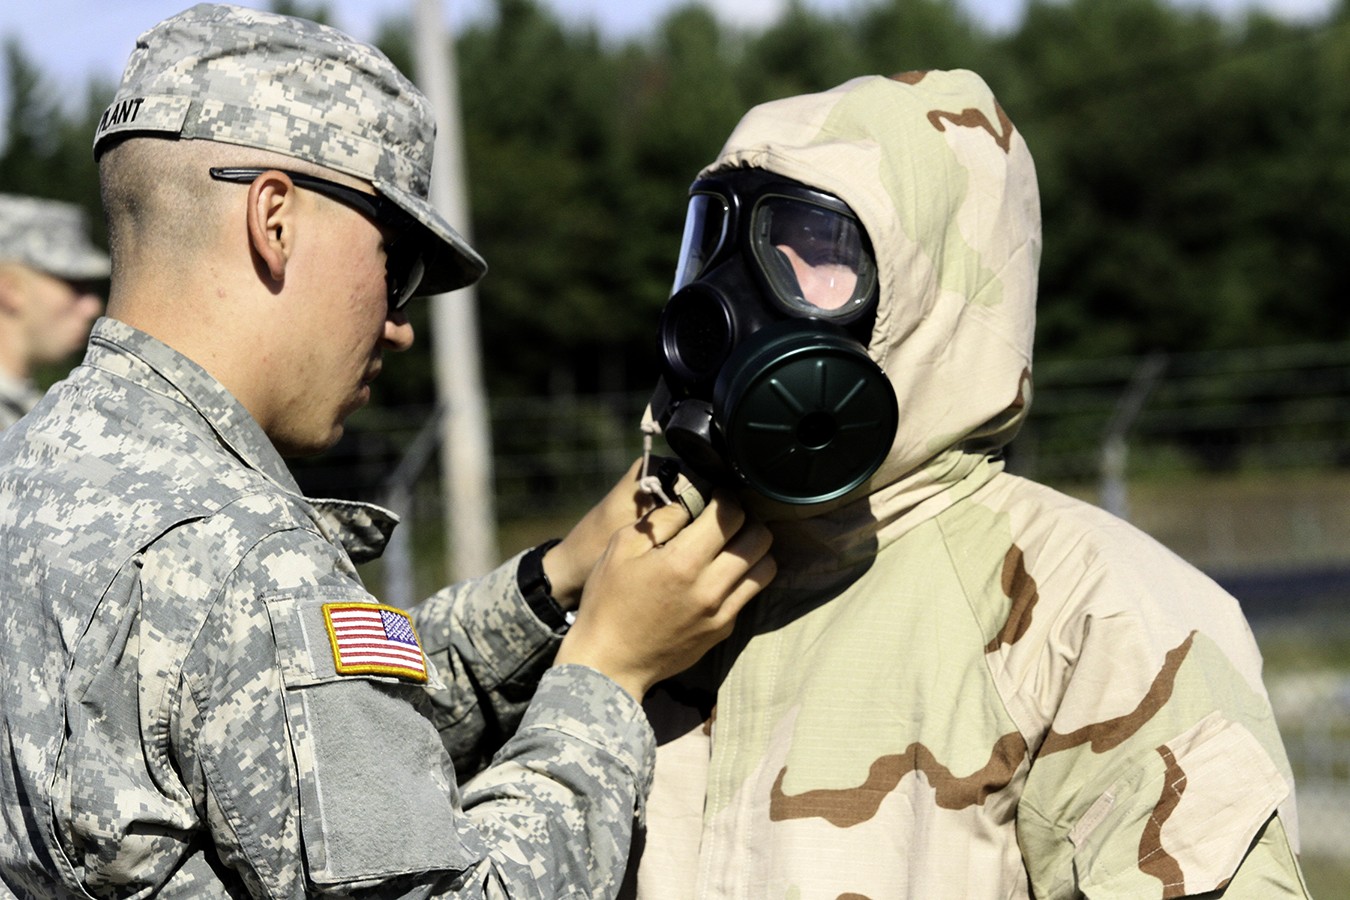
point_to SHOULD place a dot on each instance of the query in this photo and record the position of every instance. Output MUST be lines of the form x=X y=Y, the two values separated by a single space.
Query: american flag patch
x=368 y=638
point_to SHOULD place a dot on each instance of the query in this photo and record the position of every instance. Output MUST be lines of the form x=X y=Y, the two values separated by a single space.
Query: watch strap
x=535 y=588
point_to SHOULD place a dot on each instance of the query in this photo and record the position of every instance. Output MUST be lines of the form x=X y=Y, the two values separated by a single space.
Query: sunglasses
x=403 y=262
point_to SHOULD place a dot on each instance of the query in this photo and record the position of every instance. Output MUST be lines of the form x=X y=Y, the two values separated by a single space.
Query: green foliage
x=905 y=35
x=541 y=143
x=802 y=52
x=314 y=11
x=1187 y=176
x=48 y=149
x=1196 y=192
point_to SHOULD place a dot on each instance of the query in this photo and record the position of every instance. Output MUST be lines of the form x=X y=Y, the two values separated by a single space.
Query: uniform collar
x=361 y=528
x=146 y=361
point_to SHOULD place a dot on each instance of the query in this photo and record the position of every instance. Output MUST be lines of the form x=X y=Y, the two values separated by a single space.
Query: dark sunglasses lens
x=403 y=272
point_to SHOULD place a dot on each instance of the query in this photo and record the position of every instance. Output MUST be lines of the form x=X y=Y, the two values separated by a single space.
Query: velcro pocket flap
x=1182 y=819
x=377 y=788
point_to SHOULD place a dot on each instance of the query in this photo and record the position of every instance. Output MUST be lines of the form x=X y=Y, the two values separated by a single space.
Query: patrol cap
x=49 y=236
x=258 y=79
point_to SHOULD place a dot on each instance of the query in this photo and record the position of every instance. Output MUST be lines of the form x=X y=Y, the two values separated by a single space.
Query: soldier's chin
x=300 y=446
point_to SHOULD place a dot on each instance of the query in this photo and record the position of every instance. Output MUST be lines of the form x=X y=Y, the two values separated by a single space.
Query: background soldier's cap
x=50 y=236
x=258 y=79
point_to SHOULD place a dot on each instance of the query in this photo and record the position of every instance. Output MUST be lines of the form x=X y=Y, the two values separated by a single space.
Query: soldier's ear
x=272 y=222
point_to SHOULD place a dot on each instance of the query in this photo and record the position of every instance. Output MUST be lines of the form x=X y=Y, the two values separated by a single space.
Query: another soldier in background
x=962 y=685
x=48 y=297
x=198 y=697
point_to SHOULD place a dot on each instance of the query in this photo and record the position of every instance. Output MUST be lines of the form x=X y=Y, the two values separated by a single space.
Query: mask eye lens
x=705 y=228
x=816 y=259
x=817 y=237
x=822 y=250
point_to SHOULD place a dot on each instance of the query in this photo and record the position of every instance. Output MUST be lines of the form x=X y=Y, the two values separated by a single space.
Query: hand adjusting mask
x=766 y=381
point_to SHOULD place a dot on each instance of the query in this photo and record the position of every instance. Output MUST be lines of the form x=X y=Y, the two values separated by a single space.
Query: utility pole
x=466 y=444
x=1115 y=447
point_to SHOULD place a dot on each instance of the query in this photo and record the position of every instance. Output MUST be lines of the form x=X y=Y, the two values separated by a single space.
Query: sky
x=74 y=40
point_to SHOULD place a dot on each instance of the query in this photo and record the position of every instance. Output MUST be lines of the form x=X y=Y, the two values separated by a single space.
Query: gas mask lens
x=816 y=259
x=705 y=228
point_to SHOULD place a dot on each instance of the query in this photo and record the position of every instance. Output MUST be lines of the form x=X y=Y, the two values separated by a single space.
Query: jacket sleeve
x=490 y=651
x=1162 y=773
x=320 y=777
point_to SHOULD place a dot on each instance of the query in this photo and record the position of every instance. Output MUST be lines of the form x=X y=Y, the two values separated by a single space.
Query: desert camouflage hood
x=946 y=188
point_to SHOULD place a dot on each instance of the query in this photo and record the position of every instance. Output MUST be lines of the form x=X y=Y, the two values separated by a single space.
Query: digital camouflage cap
x=49 y=236
x=258 y=79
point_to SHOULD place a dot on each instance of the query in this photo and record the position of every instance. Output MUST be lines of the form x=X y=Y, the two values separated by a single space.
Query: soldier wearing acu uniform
x=198 y=697
x=961 y=684
x=47 y=298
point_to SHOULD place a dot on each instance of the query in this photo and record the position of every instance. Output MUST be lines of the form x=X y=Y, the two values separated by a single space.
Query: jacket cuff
x=586 y=705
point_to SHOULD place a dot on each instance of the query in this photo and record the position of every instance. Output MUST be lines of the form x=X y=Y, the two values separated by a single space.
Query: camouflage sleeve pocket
x=377 y=789
x=1180 y=822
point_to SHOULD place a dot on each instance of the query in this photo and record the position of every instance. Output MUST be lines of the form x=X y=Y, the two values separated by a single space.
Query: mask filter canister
x=807 y=416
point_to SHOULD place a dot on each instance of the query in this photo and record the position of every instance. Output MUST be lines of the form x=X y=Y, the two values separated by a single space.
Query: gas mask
x=766 y=382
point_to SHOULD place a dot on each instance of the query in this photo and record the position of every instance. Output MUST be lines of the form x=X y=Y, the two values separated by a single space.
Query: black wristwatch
x=536 y=590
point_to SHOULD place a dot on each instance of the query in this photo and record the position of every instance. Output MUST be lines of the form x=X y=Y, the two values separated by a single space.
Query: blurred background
x=1193 y=348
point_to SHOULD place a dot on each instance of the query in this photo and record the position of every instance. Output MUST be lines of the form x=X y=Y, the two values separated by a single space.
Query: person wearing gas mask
x=962 y=684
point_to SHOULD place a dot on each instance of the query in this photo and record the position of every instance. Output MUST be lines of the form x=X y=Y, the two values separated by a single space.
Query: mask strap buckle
x=661 y=478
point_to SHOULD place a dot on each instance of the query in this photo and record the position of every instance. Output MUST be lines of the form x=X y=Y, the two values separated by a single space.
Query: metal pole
x=466 y=445
x=1115 y=449
x=399 y=498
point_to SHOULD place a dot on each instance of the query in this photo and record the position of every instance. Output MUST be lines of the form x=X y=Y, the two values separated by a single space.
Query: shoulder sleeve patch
x=371 y=639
